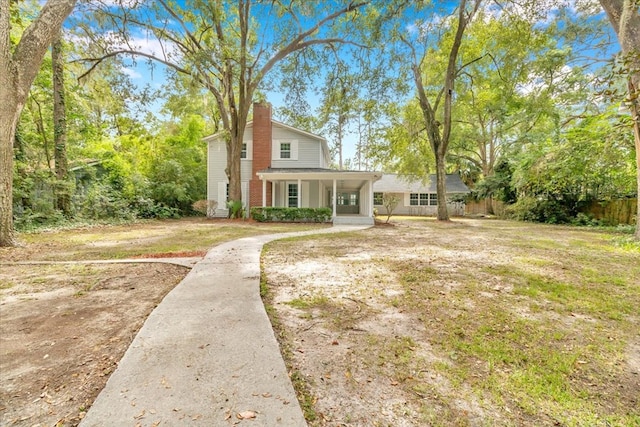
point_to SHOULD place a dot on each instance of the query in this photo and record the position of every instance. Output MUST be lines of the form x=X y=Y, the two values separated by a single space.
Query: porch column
x=264 y=192
x=275 y=186
x=299 y=193
x=370 y=205
x=334 y=196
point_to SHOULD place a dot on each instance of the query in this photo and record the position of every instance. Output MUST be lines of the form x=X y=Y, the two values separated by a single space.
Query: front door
x=348 y=202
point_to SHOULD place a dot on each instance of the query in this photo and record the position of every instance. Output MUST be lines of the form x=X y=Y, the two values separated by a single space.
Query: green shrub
x=149 y=208
x=280 y=214
x=235 y=209
x=32 y=220
x=539 y=210
x=102 y=202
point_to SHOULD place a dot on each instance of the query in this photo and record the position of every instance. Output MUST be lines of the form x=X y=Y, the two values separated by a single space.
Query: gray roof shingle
x=393 y=183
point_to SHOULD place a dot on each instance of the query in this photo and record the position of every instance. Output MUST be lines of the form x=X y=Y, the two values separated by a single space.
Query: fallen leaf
x=246 y=415
x=266 y=394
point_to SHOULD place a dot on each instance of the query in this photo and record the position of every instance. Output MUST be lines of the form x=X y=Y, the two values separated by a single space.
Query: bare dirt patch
x=467 y=323
x=63 y=330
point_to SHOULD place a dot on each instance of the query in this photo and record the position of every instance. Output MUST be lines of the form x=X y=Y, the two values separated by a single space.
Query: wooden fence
x=614 y=212
x=485 y=207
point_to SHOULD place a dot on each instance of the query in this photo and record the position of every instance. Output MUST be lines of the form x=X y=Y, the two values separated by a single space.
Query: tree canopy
x=529 y=104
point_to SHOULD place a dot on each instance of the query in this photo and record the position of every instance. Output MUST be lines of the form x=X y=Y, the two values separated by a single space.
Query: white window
x=292 y=194
x=243 y=153
x=433 y=197
x=419 y=199
x=285 y=150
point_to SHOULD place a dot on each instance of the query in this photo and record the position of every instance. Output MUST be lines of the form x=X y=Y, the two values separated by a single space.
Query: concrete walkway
x=207 y=355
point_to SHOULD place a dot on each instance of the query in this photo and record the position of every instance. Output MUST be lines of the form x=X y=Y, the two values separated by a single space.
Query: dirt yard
x=63 y=330
x=468 y=323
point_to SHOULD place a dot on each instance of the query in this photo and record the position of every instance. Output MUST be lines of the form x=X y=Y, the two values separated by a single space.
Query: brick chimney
x=261 y=152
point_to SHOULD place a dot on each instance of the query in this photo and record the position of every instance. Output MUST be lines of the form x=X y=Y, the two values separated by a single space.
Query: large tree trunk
x=625 y=19
x=63 y=198
x=18 y=69
x=437 y=132
x=441 y=176
x=8 y=120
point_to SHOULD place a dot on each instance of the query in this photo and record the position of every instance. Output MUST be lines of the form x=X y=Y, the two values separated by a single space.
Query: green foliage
x=498 y=185
x=281 y=214
x=541 y=210
x=236 y=210
x=149 y=208
x=103 y=202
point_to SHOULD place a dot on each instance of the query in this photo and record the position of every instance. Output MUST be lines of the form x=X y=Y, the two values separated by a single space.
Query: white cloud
x=131 y=73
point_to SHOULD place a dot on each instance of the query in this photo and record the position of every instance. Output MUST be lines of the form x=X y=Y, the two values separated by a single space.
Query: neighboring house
x=417 y=198
x=285 y=166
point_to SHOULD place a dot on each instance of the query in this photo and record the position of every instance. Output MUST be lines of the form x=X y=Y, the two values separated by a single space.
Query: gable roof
x=273 y=123
x=393 y=183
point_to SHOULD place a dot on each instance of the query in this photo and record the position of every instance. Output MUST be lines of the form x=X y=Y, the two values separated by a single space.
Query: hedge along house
x=283 y=166
x=419 y=198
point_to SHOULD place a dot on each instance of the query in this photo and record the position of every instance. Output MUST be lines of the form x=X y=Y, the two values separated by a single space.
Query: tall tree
x=18 y=68
x=228 y=47
x=625 y=18
x=439 y=133
x=63 y=196
x=339 y=96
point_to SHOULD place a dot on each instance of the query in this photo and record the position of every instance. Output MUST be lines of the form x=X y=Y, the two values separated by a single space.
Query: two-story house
x=288 y=167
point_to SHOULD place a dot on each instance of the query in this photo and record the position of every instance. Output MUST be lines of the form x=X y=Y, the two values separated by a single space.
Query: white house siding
x=216 y=177
x=405 y=208
x=304 y=150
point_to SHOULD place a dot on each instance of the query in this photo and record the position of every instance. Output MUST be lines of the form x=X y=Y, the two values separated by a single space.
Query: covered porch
x=348 y=193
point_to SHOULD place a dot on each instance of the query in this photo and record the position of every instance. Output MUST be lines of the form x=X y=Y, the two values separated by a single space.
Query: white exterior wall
x=306 y=152
x=405 y=208
x=216 y=177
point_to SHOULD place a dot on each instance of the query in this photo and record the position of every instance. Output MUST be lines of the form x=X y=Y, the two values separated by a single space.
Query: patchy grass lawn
x=184 y=237
x=473 y=322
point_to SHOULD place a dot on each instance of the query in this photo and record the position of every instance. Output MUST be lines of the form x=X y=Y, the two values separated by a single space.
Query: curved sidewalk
x=207 y=355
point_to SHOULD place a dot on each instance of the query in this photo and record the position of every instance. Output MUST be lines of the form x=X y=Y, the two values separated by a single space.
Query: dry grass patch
x=189 y=236
x=64 y=327
x=473 y=322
